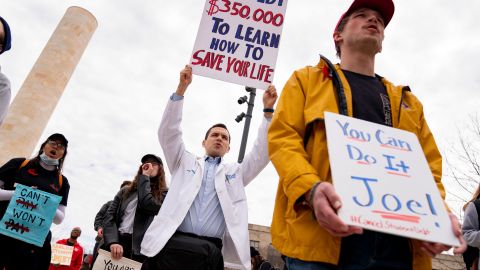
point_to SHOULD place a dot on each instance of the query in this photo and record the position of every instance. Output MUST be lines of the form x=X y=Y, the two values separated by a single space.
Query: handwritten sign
x=238 y=41
x=104 y=261
x=61 y=254
x=384 y=181
x=29 y=215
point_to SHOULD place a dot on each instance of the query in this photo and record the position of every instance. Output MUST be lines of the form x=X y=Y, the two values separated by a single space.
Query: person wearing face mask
x=133 y=209
x=43 y=172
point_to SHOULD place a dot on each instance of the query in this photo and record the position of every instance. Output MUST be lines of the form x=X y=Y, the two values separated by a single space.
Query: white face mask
x=49 y=161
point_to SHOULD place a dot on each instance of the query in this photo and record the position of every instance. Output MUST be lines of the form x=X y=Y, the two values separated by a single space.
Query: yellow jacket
x=306 y=96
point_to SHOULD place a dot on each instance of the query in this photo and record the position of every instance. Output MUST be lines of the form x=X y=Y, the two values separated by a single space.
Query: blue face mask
x=49 y=161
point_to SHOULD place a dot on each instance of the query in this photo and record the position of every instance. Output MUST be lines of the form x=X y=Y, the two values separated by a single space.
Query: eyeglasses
x=56 y=144
x=153 y=163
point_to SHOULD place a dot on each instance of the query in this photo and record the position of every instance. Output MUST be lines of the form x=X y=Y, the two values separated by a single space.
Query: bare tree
x=462 y=173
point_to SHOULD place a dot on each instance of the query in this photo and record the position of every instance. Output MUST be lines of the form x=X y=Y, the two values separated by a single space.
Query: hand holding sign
x=105 y=261
x=325 y=204
x=432 y=249
x=184 y=81
x=117 y=251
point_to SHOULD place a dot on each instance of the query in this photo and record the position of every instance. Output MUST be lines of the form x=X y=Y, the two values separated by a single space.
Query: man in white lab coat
x=206 y=207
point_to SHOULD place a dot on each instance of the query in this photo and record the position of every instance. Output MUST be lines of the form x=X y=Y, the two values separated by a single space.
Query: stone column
x=37 y=98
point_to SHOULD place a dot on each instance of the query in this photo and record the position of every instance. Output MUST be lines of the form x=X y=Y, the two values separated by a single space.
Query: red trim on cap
x=386 y=8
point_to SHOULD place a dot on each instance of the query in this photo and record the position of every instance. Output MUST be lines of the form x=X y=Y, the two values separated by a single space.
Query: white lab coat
x=187 y=172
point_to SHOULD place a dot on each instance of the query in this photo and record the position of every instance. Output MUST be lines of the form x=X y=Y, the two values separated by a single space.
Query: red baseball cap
x=384 y=7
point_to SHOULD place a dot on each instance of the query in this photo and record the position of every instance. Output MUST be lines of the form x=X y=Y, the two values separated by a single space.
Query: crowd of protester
x=200 y=221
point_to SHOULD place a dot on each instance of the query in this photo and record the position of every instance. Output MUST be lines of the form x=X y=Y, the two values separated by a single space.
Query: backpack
x=60 y=177
x=471 y=254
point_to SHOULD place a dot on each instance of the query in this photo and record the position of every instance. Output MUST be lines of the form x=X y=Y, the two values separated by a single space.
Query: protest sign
x=384 y=180
x=104 y=261
x=238 y=41
x=61 y=254
x=29 y=215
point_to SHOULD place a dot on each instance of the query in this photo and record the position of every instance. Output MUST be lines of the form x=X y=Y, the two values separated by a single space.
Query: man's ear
x=228 y=149
x=337 y=37
x=203 y=143
x=380 y=48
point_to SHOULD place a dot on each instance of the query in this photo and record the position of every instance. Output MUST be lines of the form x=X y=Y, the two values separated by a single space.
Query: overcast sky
x=111 y=108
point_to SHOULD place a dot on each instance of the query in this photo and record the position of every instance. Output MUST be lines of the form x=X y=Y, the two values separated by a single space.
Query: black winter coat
x=147 y=208
x=98 y=223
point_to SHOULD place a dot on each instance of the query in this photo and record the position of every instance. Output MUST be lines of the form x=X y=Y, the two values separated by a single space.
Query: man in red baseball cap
x=384 y=8
x=298 y=150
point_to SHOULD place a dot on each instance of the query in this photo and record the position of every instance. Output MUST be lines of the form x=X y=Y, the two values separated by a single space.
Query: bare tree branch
x=463 y=162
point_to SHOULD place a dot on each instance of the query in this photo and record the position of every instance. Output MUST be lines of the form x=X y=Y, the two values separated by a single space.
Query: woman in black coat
x=133 y=209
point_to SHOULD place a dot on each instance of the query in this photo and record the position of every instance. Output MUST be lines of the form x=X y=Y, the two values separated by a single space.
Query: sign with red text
x=104 y=261
x=61 y=254
x=238 y=41
x=384 y=181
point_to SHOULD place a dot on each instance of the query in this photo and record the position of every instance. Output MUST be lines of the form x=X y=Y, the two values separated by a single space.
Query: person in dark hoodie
x=133 y=209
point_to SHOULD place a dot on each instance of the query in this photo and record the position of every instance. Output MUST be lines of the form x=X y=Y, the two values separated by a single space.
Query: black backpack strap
x=337 y=83
x=342 y=100
x=60 y=177
x=24 y=163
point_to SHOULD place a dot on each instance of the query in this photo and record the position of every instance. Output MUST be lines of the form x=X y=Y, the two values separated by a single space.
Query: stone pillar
x=37 y=98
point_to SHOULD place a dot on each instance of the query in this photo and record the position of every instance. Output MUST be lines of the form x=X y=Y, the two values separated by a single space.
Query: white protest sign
x=61 y=254
x=104 y=261
x=238 y=41
x=384 y=181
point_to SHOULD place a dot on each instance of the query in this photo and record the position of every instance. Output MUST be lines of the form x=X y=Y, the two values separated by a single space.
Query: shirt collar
x=214 y=160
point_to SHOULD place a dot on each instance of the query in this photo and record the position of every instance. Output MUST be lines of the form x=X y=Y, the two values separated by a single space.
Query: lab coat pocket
x=235 y=188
